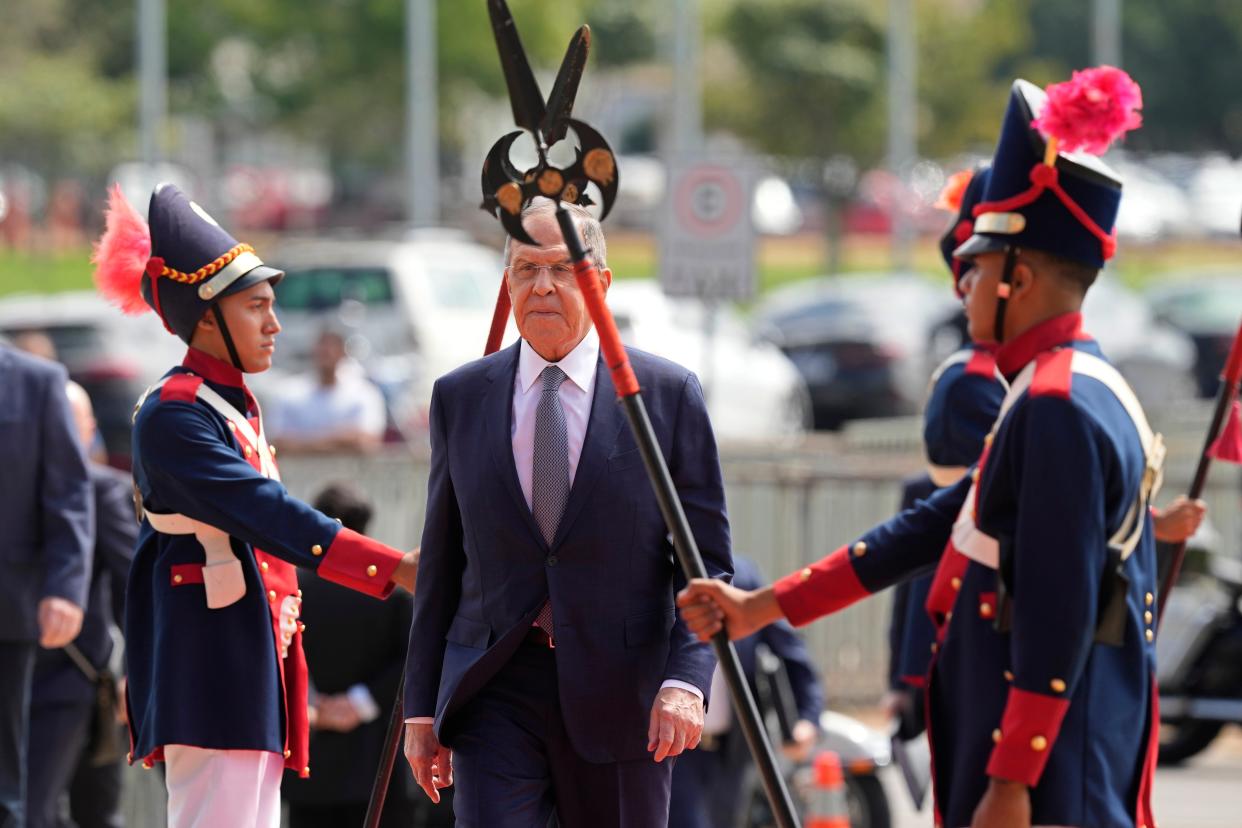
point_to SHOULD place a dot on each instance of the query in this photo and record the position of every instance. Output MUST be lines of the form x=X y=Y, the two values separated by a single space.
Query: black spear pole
x=674 y=516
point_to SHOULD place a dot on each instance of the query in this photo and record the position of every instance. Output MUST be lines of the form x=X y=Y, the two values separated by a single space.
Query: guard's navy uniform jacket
x=233 y=677
x=1044 y=668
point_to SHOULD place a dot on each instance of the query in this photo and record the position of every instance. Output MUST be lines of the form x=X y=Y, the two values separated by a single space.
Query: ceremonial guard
x=963 y=398
x=217 y=679
x=1042 y=692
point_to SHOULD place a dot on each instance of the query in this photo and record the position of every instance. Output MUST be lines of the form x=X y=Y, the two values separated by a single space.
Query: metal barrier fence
x=788 y=506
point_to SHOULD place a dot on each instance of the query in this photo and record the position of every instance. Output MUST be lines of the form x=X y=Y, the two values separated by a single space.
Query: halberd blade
x=565 y=89
x=524 y=94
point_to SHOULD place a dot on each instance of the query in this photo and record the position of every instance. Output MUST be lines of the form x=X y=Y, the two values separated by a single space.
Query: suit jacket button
x=551 y=560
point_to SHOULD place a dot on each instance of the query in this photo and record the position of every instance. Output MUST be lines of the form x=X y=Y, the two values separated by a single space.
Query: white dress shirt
x=576 y=395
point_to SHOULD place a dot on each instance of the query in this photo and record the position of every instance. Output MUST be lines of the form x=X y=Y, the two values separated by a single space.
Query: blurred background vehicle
x=860 y=342
x=1206 y=305
x=113 y=357
x=753 y=391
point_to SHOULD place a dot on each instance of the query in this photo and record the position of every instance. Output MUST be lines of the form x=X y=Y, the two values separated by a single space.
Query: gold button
x=147 y=764
x=299 y=593
x=987 y=441
x=232 y=426
x=935 y=646
x=1151 y=636
x=1039 y=744
x=129 y=757
x=985 y=610
x=1147 y=616
x=1149 y=599
x=1057 y=685
x=271 y=595
x=316 y=550
x=177 y=579
x=272 y=451
x=996 y=736
x=956 y=583
x=948 y=616
x=301 y=627
x=860 y=549
x=806 y=573
x=248 y=451
x=974 y=475
x=288 y=753
x=306 y=771
x=1008 y=676
x=371 y=570
x=263 y=565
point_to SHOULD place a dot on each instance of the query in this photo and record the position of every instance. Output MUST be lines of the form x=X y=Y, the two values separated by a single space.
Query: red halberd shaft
x=1229 y=382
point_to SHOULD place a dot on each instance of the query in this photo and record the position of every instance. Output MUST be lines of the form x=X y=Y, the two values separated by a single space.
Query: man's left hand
x=1005 y=805
x=676 y=722
x=406 y=573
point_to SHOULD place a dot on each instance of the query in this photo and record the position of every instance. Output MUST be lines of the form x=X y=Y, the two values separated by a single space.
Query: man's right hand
x=431 y=762
x=60 y=621
x=708 y=605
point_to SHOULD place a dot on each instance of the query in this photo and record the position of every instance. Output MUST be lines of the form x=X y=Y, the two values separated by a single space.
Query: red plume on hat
x=121 y=255
x=954 y=190
x=1090 y=110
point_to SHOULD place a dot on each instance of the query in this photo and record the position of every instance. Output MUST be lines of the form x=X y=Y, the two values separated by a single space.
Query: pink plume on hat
x=121 y=255
x=1091 y=110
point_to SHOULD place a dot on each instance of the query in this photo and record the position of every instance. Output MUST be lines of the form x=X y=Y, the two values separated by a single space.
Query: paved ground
x=1205 y=793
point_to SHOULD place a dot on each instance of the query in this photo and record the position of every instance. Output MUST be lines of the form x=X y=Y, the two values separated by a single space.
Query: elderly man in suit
x=63 y=758
x=548 y=672
x=45 y=561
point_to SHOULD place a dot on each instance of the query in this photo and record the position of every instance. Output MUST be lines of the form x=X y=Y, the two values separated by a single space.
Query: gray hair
x=587 y=224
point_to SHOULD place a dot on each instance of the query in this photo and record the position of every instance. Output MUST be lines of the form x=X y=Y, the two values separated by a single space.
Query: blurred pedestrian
x=75 y=748
x=214 y=664
x=338 y=409
x=708 y=781
x=547 y=671
x=45 y=561
x=355 y=652
x=1042 y=698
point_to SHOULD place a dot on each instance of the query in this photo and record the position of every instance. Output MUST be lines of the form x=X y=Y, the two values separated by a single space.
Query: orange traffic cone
x=825 y=798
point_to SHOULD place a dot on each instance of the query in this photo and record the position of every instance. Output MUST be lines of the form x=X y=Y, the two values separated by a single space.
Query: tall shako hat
x=178 y=265
x=961 y=193
x=1048 y=191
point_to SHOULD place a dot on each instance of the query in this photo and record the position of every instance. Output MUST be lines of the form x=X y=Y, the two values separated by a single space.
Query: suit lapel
x=602 y=429
x=498 y=414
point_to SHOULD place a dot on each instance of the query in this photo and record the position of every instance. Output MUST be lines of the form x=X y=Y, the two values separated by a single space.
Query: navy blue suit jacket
x=57 y=678
x=45 y=495
x=610 y=571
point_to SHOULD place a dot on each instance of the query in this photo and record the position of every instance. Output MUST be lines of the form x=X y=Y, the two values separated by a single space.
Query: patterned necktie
x=549 y=479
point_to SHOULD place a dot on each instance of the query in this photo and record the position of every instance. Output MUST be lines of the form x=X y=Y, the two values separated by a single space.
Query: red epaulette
x=180 y=388
x=1054 y=374
x=982 y=363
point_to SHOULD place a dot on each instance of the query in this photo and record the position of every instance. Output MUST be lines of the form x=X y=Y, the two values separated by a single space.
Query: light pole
x=152 y=78
x=422 y=163
x=1106 y=32
x=687 y=116
x=902 y=140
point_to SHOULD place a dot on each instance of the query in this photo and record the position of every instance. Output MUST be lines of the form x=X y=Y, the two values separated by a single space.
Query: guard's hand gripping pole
x=1230 y=379
x=674 y=516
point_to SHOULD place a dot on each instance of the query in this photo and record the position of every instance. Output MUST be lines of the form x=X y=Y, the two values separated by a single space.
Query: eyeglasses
x=524 y=271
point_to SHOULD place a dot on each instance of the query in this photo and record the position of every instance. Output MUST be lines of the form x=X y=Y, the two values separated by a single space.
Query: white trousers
x=222 y=788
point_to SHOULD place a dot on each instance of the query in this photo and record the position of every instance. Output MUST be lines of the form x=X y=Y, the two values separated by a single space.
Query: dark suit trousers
x=707 y=785
x=16 y=674
x=59 y=769
x=514 y=767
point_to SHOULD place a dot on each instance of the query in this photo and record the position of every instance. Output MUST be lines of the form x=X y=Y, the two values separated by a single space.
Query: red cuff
x=1026 y=736
x=360 y=563
x=828 y=585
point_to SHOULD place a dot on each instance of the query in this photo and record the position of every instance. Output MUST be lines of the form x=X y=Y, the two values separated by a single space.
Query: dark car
x=1207 y=306
x=113 y=357
x=860 y=341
